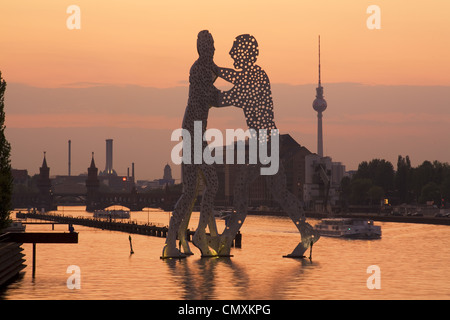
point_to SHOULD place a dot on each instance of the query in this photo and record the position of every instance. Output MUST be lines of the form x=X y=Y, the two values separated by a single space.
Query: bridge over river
x=96 y=201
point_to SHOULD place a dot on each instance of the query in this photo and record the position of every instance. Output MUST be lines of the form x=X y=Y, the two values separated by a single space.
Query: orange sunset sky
x=149 y=43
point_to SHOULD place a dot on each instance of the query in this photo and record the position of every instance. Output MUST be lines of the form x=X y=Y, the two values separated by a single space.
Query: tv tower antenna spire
x=319 y=105
x=319 y=62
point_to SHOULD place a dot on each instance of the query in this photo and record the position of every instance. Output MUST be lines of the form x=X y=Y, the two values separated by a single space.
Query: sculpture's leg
x=212 y=225
x=181 y=211
x=293 y=207
x=200 y=239
x=213 y=238
x=246 y=175
x=309 y=237
x=182 y=232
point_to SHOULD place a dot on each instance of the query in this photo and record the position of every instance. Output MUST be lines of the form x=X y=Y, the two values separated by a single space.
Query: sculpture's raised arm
x=226 y=74
x=226 y=98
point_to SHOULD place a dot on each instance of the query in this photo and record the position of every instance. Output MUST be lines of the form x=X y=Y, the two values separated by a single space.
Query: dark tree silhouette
x=403 y=178
x=6 y=183
x=379 y=171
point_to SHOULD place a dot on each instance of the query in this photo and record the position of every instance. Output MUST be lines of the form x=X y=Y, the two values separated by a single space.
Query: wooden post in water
x=238 y=240
x=34 y=260
x=131 y=246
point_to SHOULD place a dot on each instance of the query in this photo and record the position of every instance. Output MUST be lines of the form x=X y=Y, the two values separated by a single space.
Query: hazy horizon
x=141 y=119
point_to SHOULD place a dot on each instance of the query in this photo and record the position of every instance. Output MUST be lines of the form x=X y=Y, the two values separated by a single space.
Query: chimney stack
x=69 y=155
x=109 y=156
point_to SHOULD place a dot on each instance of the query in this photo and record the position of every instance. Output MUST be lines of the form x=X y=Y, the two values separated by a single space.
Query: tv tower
x=320 y=105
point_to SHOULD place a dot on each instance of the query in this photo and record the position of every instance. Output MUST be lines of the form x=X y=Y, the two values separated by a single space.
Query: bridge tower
x=92 y=187
x=45 y=201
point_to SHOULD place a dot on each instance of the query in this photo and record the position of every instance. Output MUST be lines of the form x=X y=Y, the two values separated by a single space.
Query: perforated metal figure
x=202 y=95
x=252 y=93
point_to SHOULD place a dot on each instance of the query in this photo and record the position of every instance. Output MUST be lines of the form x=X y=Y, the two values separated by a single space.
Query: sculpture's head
x=205 y=44
x=244 y=51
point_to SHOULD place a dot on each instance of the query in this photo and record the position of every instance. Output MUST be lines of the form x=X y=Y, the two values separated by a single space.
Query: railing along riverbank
x=113 y=225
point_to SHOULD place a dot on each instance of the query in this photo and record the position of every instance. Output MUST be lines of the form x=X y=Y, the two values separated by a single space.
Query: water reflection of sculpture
x=206 y=279
x=252 y=93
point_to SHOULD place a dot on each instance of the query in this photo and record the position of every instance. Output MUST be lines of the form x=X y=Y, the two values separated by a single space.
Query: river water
x=413 y=262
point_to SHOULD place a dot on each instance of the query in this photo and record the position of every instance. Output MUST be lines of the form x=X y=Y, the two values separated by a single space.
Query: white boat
x=113 y=214
x=348 y=228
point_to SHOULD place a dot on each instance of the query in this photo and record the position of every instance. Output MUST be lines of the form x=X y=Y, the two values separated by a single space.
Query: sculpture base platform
x=295 y=257
x=174 y=257
x=219 y=256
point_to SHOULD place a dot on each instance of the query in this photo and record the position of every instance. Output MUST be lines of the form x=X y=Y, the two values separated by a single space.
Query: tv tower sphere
x=319 y=104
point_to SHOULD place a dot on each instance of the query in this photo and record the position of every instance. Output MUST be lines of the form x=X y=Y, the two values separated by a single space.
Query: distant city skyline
x=384 y=129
